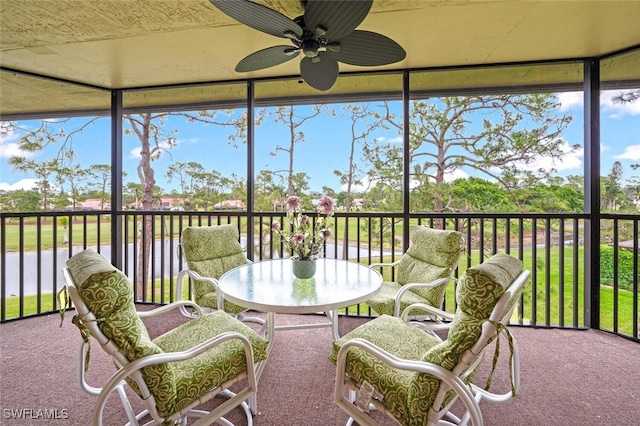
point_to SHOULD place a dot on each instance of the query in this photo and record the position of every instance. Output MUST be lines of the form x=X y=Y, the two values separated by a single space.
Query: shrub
x=625 y=267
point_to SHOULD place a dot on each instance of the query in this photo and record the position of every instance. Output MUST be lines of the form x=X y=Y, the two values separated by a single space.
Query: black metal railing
x=35 y=247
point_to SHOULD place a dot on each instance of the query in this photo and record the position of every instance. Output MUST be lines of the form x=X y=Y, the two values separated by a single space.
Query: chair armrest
x=450 y=379
x=155 y=359
x=196 y=276
x=409 y=286
x=428 y=310
x=193 y=275
x=384 y=264
x=181 y=304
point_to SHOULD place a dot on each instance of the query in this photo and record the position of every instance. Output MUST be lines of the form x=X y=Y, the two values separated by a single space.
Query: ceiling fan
x=326 y=34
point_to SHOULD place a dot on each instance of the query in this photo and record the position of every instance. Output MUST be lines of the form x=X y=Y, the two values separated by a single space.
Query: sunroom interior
x=69 y=58
x=98 y=58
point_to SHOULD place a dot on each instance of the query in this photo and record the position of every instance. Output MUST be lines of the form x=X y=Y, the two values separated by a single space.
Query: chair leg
x=131 y=415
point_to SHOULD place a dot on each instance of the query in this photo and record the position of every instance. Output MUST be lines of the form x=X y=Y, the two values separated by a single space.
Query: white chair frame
x=133 y=370
x=192 y=276
x=469 y=395
x=408 y=286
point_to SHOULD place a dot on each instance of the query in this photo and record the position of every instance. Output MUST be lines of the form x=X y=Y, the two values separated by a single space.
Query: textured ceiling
x=142 y=43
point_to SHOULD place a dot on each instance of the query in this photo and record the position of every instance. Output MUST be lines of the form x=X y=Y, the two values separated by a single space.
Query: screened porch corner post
x=117 y=256
x=592 y=193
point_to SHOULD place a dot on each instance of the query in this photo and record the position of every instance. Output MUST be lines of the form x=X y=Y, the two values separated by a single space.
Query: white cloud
x=570 y=99
x=607 y=106
x=568 y=161
x=456 y=174
x=24 y=184
x=362 y=187
x=397 y=139
x=631 y=152
x=617 y=110
x=9 y=145
x=135 y=152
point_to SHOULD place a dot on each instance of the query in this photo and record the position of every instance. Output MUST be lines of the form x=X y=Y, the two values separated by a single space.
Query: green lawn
x=545 y=312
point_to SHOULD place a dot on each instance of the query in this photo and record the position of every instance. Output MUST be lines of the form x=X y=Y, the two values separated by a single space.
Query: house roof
x=99 y=45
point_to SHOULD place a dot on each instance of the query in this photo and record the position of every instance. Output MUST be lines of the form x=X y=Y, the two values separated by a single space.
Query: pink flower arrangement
x=303 y=237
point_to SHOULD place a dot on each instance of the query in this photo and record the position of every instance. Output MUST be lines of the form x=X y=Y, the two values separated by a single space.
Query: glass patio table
x=271 y=287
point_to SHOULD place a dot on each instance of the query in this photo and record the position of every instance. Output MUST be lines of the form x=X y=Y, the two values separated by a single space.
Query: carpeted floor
x=568 y=377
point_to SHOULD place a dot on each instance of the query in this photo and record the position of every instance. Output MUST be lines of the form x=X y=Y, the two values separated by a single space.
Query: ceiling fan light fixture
x=290 y=34
x=320 y=31
x=310 y=48
x=333 y=47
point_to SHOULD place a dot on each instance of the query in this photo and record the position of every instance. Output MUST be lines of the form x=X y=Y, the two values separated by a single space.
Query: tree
x=72 y=179
x=20 y=201
x=64 y=222
x=611 y=191
x=35 y=140
x=286 y=115
x=361 y=129
x=632 y=191
x=627 y=97
x=477 y=194
x=497 y=136
x=269 y=188
x=102 y=175
x=44 y=170
x=546 y=198
x=131 y=193
x=188 y=175
x=184 y=173
x=154 y=141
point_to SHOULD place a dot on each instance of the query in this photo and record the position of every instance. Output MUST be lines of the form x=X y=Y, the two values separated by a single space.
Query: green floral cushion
x=211 y=251
x=408 y=395
x=198 y=375
x=484 y=284
x=404 y=341
x=478 y=291
x=108 y=293
x=433 y=254
x=384 y=301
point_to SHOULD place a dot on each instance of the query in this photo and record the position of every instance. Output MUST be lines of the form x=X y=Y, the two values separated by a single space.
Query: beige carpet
x=568 y=377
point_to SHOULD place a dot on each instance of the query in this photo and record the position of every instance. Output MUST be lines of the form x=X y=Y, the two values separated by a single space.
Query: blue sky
x=324 y=149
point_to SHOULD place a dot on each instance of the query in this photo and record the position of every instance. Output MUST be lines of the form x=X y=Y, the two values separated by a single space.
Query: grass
x=624 y=320
x=548 y=312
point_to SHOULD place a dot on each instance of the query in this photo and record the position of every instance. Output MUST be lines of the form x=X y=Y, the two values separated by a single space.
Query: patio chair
x=414 y=377
x=174 y=373
x=422 y=274
x=209 y=252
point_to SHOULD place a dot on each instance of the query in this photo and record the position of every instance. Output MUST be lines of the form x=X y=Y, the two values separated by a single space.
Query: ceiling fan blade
x=259 y=17
x=320 y=75
x=339 y=18
x=265 y=58
x=366 y=48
